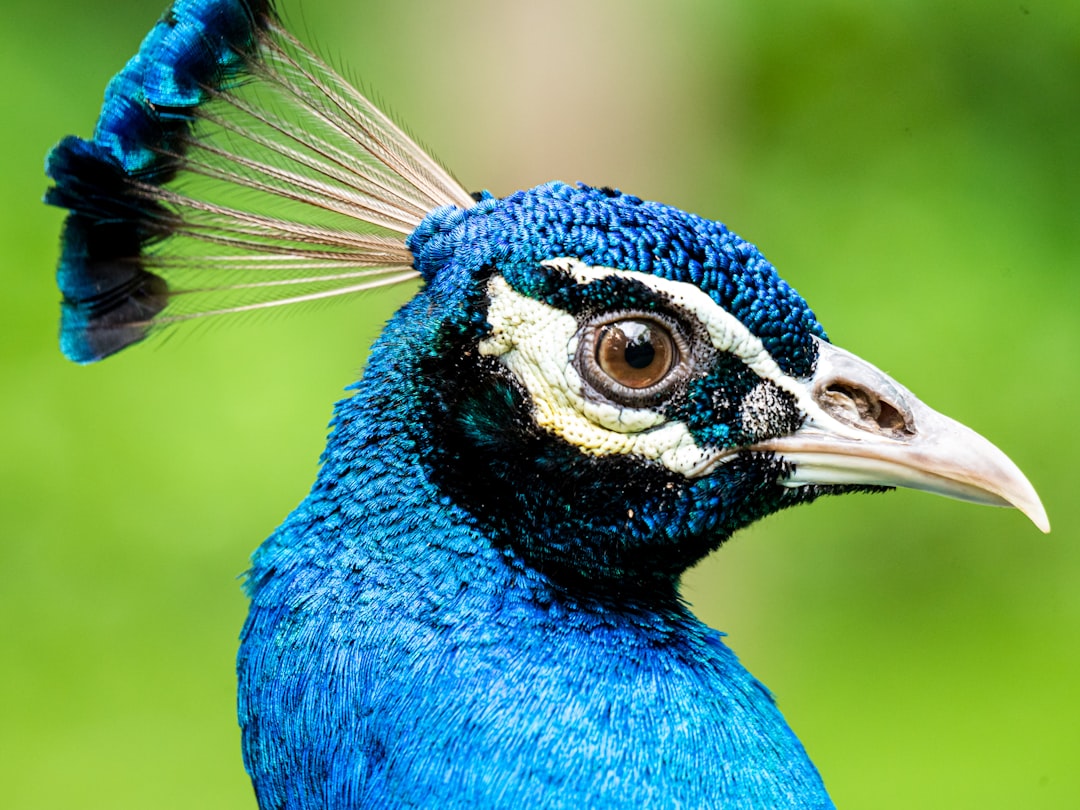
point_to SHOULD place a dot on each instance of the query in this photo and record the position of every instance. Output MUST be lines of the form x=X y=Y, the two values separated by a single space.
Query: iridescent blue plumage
x=477 y=605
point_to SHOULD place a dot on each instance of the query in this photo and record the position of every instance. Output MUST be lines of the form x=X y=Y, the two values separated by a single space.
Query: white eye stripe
x=538 y=342
x=726 y=332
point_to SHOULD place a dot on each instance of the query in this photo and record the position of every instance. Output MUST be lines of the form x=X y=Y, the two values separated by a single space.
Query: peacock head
x=611 y=386
x=630 y=384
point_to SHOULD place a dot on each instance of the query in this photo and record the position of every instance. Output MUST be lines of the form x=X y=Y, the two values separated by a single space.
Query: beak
x=862 y=427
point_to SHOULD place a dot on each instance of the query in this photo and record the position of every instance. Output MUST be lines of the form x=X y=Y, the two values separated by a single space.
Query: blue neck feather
x=380 y=615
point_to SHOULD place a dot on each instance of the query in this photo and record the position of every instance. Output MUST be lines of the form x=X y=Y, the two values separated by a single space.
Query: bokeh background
x=913 y=168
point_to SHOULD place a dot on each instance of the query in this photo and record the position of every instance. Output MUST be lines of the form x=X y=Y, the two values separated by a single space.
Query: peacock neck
x=381 y=589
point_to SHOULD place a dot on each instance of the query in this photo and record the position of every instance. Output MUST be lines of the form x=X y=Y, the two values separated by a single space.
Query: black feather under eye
x=634 y=359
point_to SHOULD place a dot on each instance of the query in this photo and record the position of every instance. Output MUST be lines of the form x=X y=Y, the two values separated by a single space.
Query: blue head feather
x=608 y=228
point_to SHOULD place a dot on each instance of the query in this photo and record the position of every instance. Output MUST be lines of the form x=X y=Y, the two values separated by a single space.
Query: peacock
x=477 y=605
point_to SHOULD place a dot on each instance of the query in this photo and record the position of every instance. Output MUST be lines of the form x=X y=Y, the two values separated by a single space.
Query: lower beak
x=862 y=427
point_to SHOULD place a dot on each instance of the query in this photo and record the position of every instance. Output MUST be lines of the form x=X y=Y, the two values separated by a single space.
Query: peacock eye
x=635 y=353
x=632 y=359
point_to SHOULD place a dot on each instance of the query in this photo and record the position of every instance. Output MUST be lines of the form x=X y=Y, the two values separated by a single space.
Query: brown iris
x=635 y=352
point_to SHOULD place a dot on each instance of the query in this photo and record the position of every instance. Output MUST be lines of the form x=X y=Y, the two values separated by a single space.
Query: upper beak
x=862 y=427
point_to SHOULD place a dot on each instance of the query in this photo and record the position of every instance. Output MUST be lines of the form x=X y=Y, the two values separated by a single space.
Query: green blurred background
x=913 y=168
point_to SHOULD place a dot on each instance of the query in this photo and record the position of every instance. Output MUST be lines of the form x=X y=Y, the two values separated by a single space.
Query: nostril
x=889 y=418
x=863 y=408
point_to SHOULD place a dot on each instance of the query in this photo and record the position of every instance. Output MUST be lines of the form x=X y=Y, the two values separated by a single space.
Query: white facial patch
x=538 y=343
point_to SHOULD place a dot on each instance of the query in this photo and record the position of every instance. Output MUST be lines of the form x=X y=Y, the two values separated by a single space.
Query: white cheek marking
x=537 y=342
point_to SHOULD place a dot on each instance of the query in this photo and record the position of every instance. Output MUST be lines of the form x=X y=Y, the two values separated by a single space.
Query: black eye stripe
x=556 y=287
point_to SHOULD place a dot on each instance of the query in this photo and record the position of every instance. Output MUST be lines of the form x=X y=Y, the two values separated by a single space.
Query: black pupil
x=640 y=351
